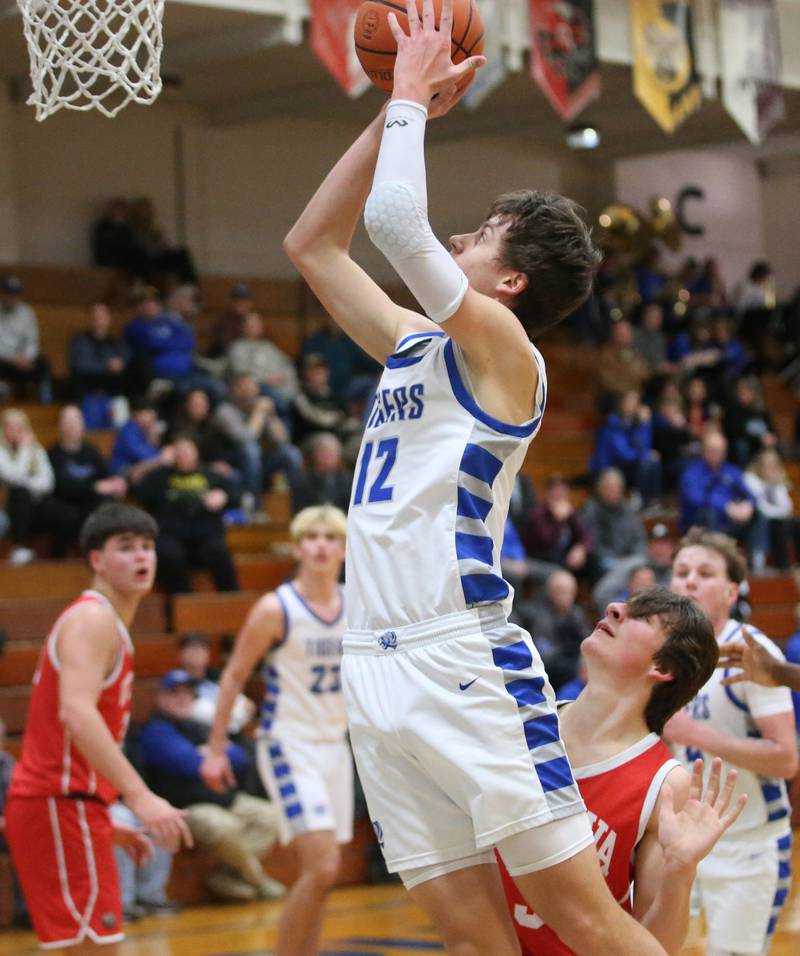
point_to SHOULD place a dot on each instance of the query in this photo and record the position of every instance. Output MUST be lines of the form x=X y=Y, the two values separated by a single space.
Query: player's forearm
x=331 y=216
x=762 y=756
x=230 y=686
x=91 y=736
x=668 y=916
x=785 y=674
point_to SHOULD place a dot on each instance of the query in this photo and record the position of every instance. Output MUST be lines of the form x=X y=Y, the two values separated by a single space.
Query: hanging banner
x=332 y=42
x=751 y=65
x=563 y=60
x=665 y=77
x=706 y=45
x=495 y=71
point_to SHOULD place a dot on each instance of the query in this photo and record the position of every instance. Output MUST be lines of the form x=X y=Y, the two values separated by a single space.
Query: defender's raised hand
x=755 y=661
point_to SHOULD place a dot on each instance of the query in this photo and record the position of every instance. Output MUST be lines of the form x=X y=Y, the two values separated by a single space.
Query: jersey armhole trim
x=467 y=402
x=652 y=795
x=285 y=613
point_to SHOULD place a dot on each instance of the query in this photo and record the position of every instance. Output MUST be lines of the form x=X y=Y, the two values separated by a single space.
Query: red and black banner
x=563 y=58
x=332 y=42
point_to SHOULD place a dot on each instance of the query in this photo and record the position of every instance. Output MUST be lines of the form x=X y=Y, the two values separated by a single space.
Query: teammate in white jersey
x=451 y=717
x=743 y=883
x=303 y=756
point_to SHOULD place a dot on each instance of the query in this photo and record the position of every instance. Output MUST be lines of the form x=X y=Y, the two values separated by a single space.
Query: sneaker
x=20 y=556
x=270 y=889
x=159 y=907
x=229 y=886
x=132 y=913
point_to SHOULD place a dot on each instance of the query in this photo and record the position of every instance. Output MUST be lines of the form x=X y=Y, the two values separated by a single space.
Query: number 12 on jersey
x=379 y=491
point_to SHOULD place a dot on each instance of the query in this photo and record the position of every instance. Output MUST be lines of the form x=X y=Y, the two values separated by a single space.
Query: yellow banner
x=665 y=78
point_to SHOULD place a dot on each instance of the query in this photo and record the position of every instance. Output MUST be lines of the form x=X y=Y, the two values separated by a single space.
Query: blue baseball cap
x=177 y=677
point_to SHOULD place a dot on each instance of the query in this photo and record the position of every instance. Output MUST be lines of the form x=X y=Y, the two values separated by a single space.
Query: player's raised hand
x=423 y=66
x=689 y=835
x=165 y=823
x=755 y=661
x=216 y=772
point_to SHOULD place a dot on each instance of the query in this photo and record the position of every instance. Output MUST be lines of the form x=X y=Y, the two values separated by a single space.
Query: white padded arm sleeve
x=396 y=215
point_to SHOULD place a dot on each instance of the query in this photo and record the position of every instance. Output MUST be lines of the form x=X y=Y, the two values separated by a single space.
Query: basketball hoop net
x=93 y=54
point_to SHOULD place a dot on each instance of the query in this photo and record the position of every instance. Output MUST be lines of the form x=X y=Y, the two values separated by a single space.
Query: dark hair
x=190 y=638
x=759 y=270
x=111 y=519
x=689 y=652
x=139 y=403
x=549 y=241
x=725 y=547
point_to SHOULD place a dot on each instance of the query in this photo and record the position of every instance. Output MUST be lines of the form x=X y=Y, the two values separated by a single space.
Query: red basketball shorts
x=63 y=853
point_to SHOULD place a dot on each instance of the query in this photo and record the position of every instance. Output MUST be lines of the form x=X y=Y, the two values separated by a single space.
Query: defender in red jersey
x=651 y=823
x=57 y=821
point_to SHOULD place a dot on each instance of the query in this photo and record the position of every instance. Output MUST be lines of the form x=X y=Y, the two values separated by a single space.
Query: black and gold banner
x=665 y=77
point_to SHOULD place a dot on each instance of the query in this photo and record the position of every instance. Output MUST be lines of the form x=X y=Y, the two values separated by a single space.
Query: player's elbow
x=394 y=222
x=789 y=763
x=71 y=715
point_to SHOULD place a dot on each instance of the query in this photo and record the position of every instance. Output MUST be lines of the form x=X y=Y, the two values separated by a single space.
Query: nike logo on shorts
x=468 y=684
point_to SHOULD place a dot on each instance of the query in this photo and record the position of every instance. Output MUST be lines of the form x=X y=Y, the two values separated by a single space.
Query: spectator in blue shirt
x=237 y=827
x=625 y=441
x=713 y=492
x=98 y=360
x=137 y=448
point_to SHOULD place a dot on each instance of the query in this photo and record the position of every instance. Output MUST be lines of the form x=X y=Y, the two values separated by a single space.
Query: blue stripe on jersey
x=527 y=690
x=471 y=506
x=512 y=657
x=784 y=881
x=468 y=402
x=478 y=547
x=541 y=730
x=418 y=335
x=271 y=694
x=403 y=362
x=554 y=774
x=483 y=588
x=480 y=463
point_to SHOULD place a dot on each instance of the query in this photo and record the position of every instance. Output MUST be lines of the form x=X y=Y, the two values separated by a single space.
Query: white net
x=93 y=54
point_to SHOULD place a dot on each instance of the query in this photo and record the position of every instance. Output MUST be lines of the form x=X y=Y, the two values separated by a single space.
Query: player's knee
x=324 y=870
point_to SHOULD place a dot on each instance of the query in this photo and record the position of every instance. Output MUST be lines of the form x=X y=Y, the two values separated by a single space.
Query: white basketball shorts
x=311 y=782
x=455 y=736
x=742 y=886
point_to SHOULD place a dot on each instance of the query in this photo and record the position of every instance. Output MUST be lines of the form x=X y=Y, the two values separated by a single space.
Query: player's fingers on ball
x=428 y=16
x=397 y=31
x=413 y=16
x=470 y=65
x=446 y=16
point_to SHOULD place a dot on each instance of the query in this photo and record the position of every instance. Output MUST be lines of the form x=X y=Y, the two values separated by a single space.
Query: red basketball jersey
x=51 y=765
x=619 y=794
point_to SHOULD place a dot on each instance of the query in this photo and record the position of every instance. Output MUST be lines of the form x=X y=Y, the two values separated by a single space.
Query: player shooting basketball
x=451 y=717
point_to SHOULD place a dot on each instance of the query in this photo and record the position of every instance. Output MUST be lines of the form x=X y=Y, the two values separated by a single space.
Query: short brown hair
x=115 y=518
x=725 y=547
x=548 y=240
x=689 y=652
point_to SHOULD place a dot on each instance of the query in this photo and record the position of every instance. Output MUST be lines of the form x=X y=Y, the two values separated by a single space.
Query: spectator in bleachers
x=158 y=258
x=252 y=422
x=748 y=425
x=20 y=361
x=625 y=441
x=315 y=408
x=700 y=410
x=657 y=559
x=143 y=874
x=188 y=500
x=228 y=326
x=195 y=659
x=194 y=419
x=650 y=341
x=99 y=364
x=324 y=479
x=620 y=367
x=112 y=238
x=777 y=528
x=238 y=828
x=25 y=470
x=557 y=624
x=713 y=492
x=733 y=361
x=555 y=535
x=651 y=277
x=137 y=448
x=350 y=368
x=82 y=480
x=618 y=535
x=523 y=498
x=671 y=436
x=253 y=354
x=757 y=291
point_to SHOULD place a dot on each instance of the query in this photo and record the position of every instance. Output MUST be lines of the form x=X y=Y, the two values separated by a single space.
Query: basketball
x=376 y=47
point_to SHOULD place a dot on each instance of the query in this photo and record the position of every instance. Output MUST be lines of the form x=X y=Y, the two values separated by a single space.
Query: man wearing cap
x=658 y=556
x=229 y=324
x=20 y=361
x=237 y=827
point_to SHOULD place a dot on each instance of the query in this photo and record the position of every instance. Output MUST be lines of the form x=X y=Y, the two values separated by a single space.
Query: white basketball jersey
x=731 y=710
x=431 y=493
x=303 y=696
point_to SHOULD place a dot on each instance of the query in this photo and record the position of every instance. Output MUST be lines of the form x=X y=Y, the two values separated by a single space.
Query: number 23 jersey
x=431 y=491
x=303 y=696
